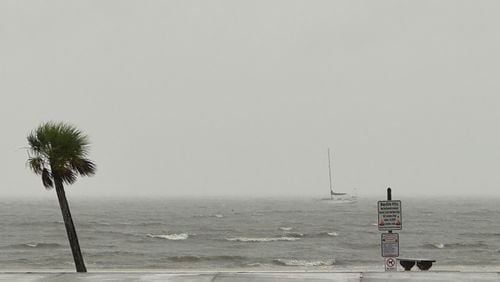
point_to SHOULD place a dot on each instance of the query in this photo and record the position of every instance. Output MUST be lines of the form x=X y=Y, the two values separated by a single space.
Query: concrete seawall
x=251 y=276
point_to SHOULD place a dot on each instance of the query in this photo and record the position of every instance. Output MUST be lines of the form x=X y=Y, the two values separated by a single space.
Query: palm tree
x=57 y=151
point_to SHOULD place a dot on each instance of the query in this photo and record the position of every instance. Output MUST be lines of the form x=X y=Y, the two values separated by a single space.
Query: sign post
x=389 y=219
x=390 y=244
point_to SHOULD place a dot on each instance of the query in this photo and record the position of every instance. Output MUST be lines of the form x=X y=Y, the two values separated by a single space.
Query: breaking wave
x=313 y=235
x=34 y=245
x=328 y=234
x=273 y=239
x=174 y=237
x=294 y=234
x=205 y=258
x=453 y=245
x=285 y=228
x=209 y=215
x=434 y=246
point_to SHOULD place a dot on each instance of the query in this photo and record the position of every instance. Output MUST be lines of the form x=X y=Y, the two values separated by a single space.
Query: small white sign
x=389 y=215
x=389 y=244
x=390 y=264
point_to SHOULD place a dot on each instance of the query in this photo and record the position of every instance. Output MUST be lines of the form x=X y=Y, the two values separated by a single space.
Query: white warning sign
x=390 y=264
x=389 y=244
x=389 y=215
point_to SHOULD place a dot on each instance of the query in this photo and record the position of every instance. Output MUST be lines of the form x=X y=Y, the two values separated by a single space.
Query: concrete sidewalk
x=253 y=276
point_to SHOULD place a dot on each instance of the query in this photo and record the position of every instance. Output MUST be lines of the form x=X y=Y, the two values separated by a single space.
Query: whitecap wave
x=439 y=245
x=254 y=264
x=209 y=215
x=294 y=234
x=459 y=245
x=174 y=237
x=326 y=234
x=299 y=262
x=285 y=228
x=273 y=239
x=36 y=245
x=434 y=246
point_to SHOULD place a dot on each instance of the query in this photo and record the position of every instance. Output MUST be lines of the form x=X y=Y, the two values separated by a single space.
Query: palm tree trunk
x=70 y=227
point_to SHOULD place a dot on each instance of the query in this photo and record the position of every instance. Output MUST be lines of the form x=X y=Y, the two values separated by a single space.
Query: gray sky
x=243 y=98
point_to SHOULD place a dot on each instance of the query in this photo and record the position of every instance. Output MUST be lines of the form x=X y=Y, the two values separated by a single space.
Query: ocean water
x=245 y=234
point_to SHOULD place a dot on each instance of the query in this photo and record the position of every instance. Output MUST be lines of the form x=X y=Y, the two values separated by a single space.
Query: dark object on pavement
x=422 y=264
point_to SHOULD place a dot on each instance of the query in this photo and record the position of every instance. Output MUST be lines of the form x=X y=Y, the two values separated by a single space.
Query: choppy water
x=225 y=234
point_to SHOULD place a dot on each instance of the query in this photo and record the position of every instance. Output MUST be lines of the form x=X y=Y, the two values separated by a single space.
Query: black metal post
x=389 y=198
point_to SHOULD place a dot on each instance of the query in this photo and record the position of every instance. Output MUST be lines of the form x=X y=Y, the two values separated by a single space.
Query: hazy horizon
x=243 y=98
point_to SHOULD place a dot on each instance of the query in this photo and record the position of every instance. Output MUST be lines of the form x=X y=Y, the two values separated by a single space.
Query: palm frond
x=47 y=179
x=34 y=143
x=68 y=176
x=36 y=164
x=84 y=167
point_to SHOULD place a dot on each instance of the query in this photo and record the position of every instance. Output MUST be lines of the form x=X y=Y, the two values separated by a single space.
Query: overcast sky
x=243 y=98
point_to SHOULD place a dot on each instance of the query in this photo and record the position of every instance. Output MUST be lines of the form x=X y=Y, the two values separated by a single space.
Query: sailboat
x=337 y=197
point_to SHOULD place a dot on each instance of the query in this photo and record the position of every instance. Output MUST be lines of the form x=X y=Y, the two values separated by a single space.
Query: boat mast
x=330 y=174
